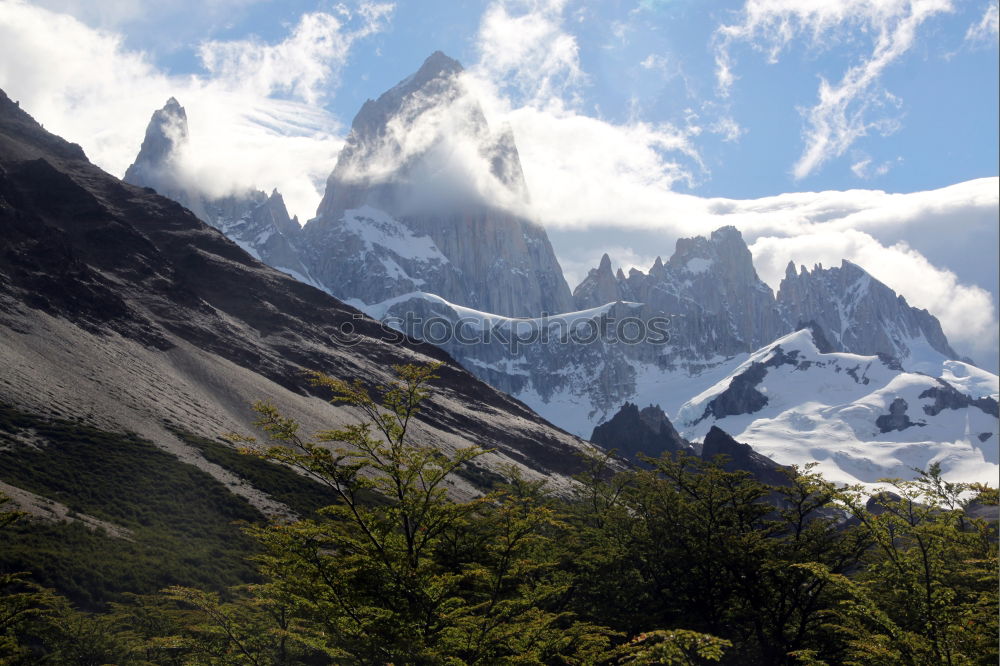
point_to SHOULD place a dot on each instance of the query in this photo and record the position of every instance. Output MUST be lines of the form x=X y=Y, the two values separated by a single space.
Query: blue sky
x=858 y=129
x=655 y=60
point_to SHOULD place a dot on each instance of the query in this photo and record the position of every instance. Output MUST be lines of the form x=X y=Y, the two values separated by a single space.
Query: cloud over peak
x=254 y=116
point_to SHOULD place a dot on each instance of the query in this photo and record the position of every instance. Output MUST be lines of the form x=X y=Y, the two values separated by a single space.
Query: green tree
x=928 y=592
x=399 y=572
x=677 y=647
x=24 y=606
x=687 y=545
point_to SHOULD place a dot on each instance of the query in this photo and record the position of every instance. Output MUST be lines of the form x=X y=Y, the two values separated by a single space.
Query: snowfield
x=834 y=409
x=788 y=400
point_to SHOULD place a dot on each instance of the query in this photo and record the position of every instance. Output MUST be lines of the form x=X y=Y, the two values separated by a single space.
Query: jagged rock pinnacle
x=166 y=131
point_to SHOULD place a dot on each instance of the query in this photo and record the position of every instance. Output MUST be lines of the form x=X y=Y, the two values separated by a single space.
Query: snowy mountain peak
x=601 y=286
x=657 y=270
x=408 y=157
x=848 y=265
x=723 y=252
x=166 y=131
x=858 y=313
x=436 y=65
x=727 y=234
x=431 y=85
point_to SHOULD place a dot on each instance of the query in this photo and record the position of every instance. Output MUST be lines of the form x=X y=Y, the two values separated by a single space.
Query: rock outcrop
x=896 y=419
x=742 y=457
x=633 y=431
x=601 y=286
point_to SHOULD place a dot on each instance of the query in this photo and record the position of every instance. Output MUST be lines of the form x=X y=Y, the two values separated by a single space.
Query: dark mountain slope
x=119 y=305
x=633 y=431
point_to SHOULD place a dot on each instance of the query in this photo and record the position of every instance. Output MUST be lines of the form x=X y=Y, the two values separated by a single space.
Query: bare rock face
x=255 y=221
x=633 y=431
x=742 y=457
x=601 y=286
x=858 y=313
x=167 y=129
x=945 y=396
x=718 y=274
x=709 y=286
x=896 y=419
x=401 y=213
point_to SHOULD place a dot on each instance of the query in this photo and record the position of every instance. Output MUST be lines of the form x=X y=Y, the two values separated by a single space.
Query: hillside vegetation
x=681 y=563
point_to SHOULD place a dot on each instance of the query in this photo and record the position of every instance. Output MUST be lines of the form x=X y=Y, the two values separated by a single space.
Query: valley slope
x=121 y=308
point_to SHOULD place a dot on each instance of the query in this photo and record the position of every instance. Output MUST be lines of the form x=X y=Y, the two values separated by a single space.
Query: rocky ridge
x=633 y=431
x=859 y=314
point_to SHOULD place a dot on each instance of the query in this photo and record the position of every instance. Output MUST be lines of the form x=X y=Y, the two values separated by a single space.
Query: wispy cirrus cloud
x=857 y=104
x=987 y=28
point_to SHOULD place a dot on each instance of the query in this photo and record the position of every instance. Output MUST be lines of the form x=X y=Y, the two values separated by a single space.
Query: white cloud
x=525 y=51
x=865 y=168
x=584 y=170
x=83 y=84
x=848 y=109
x=967 y=312
x=529 y=76
x=655 y=61
x=860 y=168
x=302 y=66
x=988 y=27
x=727 y=127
